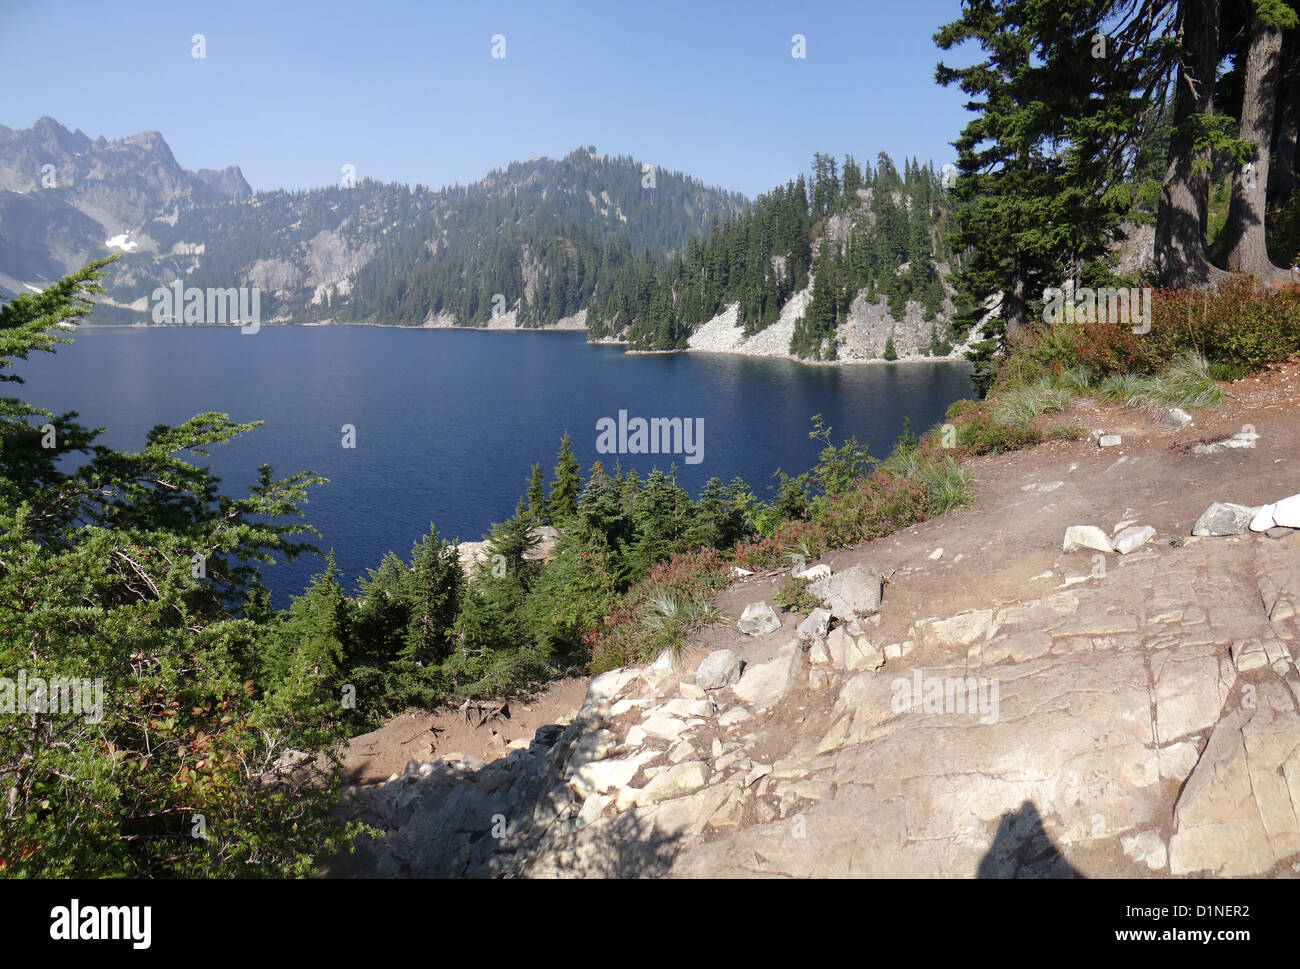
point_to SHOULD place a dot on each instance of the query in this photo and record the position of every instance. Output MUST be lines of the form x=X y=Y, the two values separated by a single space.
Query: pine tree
x=1037 y=164
x=566 y=484
x=1244 y=232
x=100 y=580
x=435 y=587
x=536 y=503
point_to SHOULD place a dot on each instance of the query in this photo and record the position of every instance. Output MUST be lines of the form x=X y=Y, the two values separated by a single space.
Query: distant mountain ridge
x=367 y=252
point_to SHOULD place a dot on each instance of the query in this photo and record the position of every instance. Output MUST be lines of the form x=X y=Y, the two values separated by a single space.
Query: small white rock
x=1084 y=537
x=1133 y=537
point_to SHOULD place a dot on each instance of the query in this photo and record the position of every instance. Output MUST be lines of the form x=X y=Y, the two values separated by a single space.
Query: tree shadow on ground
x=1022 y=849
x=511 y=817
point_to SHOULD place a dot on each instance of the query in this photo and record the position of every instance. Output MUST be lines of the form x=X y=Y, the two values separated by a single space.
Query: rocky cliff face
x=862 y=337
x=118 y=184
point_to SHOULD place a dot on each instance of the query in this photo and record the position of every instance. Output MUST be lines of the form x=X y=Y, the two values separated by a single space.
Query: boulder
x=758 y=619
x=766 y=684
x=677 y=780
x=720 y=668
x=662 y=726
x=1110 y=440
x=1224 y=518
x=1133 y=537
x=607 y=685
x=815 y=626
x=1287 y=512
x=1176 y=417
x=853 y=592
x=851 y=654
x=603 y=776
x=1085 y=537
x=685 y=707
x=1284 y=513
x=814 y=572
x=591 y=746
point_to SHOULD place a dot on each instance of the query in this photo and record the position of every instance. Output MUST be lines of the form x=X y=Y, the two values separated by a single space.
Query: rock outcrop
x=1145 y=725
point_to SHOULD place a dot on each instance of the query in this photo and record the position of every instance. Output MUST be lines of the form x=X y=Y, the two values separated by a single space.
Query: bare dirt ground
x=1007 y=544
x=373 y=757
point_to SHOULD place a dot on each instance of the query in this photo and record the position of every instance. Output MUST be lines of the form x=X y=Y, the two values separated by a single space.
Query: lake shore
x=559 y=328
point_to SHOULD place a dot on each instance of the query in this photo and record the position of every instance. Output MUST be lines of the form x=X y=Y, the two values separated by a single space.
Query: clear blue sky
x=408 y=91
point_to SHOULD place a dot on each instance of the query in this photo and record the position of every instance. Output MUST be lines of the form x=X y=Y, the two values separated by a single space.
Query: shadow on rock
x=1022 y=849
x=512 y=817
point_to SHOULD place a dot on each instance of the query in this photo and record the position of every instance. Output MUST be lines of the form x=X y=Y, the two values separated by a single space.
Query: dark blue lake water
x=448 y=423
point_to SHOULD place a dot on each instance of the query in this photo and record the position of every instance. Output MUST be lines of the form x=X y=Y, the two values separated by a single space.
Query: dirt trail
x=373 y=757
x=1007 y=544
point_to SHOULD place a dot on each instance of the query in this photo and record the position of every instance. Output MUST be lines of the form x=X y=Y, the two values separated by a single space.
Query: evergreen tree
x=134 y=569
x=435 y=586
x=566 y=485
x=1036 y=164
x=536 y=503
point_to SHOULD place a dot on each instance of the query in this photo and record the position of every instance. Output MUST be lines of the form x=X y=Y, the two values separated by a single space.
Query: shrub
x=686 y=582
x=947 y=485
x=794 y=596
x=1187 y=383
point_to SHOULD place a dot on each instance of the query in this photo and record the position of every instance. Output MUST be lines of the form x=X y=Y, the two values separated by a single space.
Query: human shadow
x=1022 y=849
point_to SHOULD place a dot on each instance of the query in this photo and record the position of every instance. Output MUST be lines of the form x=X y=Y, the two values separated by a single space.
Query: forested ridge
x=873 y=230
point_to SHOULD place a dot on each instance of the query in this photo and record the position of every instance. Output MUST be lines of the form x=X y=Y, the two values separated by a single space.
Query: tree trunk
x=1247 y=252
x=1282 y=174
x=1013 y=306
x=1181 y=259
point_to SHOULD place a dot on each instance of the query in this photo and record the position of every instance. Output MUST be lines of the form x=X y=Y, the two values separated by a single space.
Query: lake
x=447 y=423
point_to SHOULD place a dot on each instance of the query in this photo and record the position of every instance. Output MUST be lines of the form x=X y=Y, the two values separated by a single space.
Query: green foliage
x=563 y=499
x=132 y=571
x=670 y=617
x=536 y=503
x=1018 y=404
x=978 y=431
x=1187 y=383
x=1041 y=185
x=484 y=237
x=794 y=596
x=760 y=259
x=1284 y=232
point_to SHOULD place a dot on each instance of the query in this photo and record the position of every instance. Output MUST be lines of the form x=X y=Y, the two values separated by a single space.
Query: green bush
x=794 y=596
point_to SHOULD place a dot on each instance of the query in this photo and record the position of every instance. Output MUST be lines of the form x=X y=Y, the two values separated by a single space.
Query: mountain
x=365 y=252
